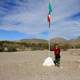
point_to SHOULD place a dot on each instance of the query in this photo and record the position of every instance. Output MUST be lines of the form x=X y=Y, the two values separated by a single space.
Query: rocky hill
x=58 y=40
x=34 y=40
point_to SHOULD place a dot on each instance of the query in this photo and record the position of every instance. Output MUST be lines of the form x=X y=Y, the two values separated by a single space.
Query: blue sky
x=21 y=19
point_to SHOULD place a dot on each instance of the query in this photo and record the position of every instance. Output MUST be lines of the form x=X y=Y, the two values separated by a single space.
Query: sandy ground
x=27 y=65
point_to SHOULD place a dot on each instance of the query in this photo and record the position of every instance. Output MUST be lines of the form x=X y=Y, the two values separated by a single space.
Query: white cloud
x=33 y=17
x=67 y=29
x=65 y=8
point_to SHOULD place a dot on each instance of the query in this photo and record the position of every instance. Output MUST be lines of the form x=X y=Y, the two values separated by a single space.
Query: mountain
x=58 y=40
x=54 y=40
x=34 y=40
x=74 y=41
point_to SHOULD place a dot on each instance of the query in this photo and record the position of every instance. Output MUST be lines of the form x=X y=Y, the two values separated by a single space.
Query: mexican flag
x=49 y=13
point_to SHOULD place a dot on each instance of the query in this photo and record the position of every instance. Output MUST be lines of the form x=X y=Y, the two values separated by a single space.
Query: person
x=57 y=51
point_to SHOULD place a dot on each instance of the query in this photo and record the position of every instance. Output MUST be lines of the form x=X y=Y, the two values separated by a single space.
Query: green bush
x=12 y=49
x=77 y=46
x=1 y=49
x=66 y=46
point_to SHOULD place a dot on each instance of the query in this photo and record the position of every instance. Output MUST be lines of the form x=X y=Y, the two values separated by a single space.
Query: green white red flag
x=49 y=14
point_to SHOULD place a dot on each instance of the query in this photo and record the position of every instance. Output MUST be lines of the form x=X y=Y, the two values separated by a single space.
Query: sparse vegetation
x=37 y=44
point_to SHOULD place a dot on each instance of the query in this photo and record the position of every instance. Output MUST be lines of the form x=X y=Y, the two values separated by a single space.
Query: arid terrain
x=27 y=65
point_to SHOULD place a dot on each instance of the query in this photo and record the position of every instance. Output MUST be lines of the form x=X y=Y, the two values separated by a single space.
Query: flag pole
x=49 y=19
x=49 y=40
x=49 y=61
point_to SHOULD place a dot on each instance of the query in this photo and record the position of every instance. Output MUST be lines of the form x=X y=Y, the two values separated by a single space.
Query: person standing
x=57 y=51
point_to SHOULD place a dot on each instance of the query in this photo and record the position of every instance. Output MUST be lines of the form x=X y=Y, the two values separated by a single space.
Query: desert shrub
x=34 y=48
x=44 y=46
x=12 y=49
x=1 y=49
x=66 y=46
x=77 y=46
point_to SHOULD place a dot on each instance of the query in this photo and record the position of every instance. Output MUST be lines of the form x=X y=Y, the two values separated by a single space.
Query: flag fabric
x=49 y=14
x=49 y=20
x=50 y=8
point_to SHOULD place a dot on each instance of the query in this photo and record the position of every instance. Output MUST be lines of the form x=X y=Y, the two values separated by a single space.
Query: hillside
x=58 y=40
x=74 y=42
x=34 y=40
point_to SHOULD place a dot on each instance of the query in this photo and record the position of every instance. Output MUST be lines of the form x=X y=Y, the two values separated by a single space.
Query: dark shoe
x=55 y=63
x=58 y=64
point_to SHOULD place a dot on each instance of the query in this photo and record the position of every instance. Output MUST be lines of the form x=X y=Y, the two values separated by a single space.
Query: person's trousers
x=57 y=59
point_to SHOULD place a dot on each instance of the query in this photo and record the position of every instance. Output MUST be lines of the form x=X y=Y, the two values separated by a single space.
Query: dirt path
x=28 y=66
